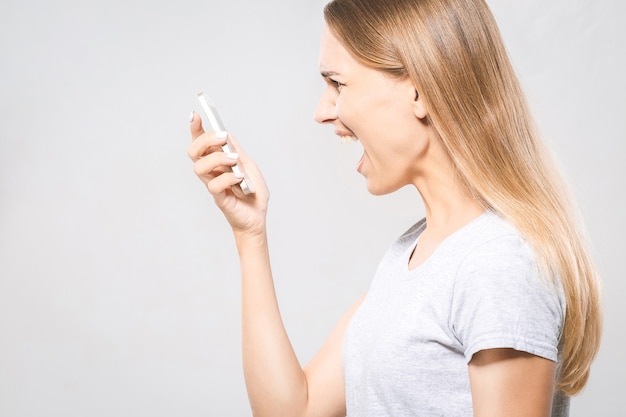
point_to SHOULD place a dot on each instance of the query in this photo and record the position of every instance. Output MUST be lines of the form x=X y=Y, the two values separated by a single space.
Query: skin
x=399 y=150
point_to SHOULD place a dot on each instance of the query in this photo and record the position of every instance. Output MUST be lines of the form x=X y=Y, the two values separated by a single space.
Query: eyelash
x=337 y=84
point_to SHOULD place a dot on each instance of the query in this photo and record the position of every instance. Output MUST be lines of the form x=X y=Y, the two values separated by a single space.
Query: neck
x=448 y=204
x=448 y=208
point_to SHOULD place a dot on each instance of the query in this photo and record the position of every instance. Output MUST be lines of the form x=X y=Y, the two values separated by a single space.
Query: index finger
x=206 y=143
x=195 y=125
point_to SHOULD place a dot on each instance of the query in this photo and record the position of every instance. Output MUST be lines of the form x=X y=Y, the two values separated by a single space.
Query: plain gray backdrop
x=119 y=289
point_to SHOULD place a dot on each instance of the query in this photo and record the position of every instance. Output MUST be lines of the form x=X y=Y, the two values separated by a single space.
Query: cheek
x=339 y=106
x=349 y=109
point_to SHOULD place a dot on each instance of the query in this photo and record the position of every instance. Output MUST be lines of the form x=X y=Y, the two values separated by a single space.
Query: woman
x=489 y=306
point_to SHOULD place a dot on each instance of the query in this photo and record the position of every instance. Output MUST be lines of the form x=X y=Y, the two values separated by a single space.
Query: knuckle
x=191 y=152
x=212 y=187
x=198 y=169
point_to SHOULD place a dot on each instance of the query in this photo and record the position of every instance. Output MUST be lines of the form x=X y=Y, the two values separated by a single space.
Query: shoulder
x=493 y=254
x=502 y=297
x=486 y=241
x=490 y=240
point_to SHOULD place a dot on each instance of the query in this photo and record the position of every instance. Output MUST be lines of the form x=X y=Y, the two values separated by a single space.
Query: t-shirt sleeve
x=501 y=300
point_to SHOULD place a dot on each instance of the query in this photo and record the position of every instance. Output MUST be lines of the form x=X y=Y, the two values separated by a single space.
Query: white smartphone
x=216 y=125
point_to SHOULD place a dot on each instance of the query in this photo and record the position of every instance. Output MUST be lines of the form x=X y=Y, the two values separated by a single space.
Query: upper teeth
x=348 y=139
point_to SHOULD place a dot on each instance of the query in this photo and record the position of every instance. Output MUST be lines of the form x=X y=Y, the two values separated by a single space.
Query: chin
x=380 y=189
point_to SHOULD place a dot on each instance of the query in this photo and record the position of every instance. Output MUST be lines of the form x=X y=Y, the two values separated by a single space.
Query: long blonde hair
x=453 y=53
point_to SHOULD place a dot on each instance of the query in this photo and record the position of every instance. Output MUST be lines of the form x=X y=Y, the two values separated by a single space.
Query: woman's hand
x=245 y=213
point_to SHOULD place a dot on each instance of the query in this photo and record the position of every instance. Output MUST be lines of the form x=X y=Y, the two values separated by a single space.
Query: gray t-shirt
x=407 y=347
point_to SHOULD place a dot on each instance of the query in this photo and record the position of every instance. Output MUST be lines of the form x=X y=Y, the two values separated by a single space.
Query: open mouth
x=346 y=136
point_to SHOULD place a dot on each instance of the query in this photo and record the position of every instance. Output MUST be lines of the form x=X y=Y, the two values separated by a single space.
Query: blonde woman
x=490 y=305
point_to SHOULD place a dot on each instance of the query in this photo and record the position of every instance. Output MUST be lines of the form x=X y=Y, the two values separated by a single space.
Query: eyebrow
x=328 y=74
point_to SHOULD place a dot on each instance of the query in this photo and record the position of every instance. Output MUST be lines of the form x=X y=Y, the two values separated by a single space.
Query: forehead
x=333 y=56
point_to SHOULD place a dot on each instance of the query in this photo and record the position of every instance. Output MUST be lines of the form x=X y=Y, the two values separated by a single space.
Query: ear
x=419 y=109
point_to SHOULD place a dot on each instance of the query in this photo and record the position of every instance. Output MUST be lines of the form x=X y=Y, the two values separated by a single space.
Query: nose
x=326 y=111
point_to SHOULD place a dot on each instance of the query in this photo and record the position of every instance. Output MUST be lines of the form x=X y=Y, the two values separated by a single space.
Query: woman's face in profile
x=376 y=109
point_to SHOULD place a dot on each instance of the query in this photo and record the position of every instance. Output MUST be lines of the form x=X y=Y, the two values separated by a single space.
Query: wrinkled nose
x=326 y=111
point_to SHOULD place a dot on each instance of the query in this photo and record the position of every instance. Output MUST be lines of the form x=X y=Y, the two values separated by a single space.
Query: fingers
x=205 y=144
x=218 y=185
x=214 y=164
x=214 y=171
x=211 y=164
x=195 y=125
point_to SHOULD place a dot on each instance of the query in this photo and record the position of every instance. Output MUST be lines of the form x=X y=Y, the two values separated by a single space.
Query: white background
x=119 y=291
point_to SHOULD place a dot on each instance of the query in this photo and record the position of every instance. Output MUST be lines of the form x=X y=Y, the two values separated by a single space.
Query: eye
x=337 y=84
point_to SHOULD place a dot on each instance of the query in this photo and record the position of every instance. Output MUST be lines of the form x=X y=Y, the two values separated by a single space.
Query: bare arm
x=276 y=383
x=507 y=382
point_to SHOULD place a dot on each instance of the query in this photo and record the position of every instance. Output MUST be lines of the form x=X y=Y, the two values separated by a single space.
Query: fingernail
x=232 y=155
x=221 y=134
x=191 y=116
x=239 y=174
